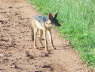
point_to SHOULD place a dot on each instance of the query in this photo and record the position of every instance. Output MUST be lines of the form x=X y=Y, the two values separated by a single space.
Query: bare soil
x=16 y=45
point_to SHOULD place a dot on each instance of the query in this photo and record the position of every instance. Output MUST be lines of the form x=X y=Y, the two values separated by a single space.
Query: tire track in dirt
x=16 y=47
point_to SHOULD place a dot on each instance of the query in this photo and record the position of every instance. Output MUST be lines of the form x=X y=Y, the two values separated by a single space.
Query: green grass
x=77 y=18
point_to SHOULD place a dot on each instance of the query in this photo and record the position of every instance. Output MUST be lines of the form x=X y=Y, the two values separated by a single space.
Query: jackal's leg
x=32 y=35
x=50 y=38
x=35 y=36
x=46 y=46
x=41 y=34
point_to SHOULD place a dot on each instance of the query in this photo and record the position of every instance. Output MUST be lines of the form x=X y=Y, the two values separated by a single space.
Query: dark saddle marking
x=41 y=19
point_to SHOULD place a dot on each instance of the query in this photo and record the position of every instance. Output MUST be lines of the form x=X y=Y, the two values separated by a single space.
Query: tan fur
x=44 y=30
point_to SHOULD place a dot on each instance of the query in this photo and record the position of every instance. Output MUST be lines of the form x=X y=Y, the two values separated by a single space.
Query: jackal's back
x=39 y=21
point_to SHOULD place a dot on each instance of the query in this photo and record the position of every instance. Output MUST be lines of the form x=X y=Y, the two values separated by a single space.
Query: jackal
x=44 y=24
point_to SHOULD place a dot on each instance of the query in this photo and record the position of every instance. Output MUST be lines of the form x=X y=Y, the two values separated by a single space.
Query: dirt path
x=16 y=47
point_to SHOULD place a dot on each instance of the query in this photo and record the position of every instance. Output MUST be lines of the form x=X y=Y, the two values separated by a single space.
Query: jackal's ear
x=50 y=16
x=56 y=15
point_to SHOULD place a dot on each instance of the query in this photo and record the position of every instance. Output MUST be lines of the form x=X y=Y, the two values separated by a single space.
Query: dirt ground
x=16 y=45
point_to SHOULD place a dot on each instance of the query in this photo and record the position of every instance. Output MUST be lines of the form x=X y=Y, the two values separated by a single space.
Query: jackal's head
x=53 y=19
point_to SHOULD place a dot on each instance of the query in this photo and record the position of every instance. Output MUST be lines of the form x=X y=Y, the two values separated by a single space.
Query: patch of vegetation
x=77 y=18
